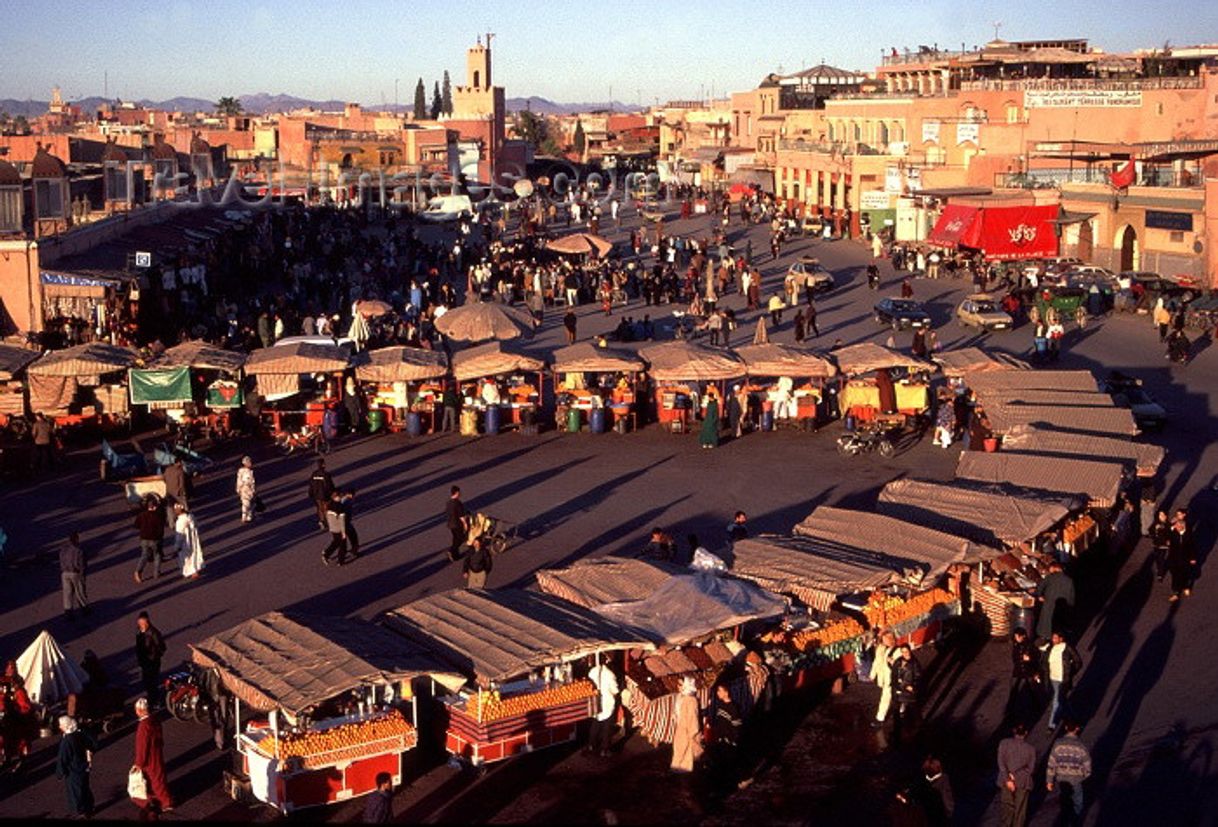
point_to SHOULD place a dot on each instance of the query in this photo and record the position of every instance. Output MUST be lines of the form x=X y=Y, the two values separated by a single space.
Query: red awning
x=1014 y=233
x=954 y=226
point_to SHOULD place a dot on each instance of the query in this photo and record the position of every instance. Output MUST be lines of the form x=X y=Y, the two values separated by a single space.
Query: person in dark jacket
x=177 y=482
x=1061 y=666
x=149 y=649
x=726 y=726
x=379 y=809
x=1160 y=539
x=1025 y=675
x=321 y=486
x=150 y=523
x=477 y=564
x=336 y=523
x=738 y=528
x=1181 y=556
x=457 y=522
x=72 y=576
x=72 y=766
x=934 y=791
x=906 y=673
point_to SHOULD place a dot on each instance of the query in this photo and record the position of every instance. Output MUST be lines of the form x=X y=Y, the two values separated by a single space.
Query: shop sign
x=1178 y=221
x=892 y=179
x=930 y=132
x=1081 y=98
x=875 y=200
x=968 y=132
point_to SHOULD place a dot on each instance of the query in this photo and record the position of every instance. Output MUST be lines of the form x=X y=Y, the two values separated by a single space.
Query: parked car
x=1127 y=392
x=809 y=266
x=983 y=310
x=900 y=314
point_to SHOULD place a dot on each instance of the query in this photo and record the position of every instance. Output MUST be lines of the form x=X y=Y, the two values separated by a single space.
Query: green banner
x=168 y=385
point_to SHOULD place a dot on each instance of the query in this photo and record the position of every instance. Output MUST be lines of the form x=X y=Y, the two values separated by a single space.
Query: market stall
x=968 y=361
x=193 y=383
x=13 y=362
x=82 y=384
x=501 y=387
x=592 y=381
x=1058 y=380
x=695 y=619
x=298 y=382
x=320 y=705
x=524 y=654
x=1144 y=458
x=406 y=385
x=481 y=321
x=789 y=385
x=683 y=374
x=882 y=385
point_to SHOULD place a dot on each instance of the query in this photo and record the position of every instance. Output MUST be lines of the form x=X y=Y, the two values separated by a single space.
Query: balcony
x=921 y=56
x=1081 y=84
x=1037 y=179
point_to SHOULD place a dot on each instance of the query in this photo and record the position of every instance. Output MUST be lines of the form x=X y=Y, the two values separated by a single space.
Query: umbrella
x=49 y=674
x=373 y=307
x=761 y=337
x=582 y=244
x=359 y=332
x=480 y=321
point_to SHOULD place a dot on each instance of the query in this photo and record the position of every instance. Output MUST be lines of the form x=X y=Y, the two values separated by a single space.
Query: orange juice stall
x=526 y=656
x=298 y=381
x=406 y=384
x=319 y=705
x=596 y=387
x=682 y=373
x=789 y=385
x=500 y=386
x=882 y=385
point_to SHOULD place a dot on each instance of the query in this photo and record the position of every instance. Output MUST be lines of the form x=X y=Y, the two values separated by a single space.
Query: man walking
x=1063 y=664
x=601 y=733
x=149 y=649
x=450 y=403
x=1025 y=675
x=478 y=563
x=570 y=321
x=42 y=432
x=150 y=523
x=881 y=673
x=177 y=486
x=906 y=673
x=336 y=523
x=455 y=519
x=72 y=766
x=321 y=486
x=1016 y=761
x=726 y=726
x=150 y=760
x=1069 y=766
x=72 y=576
x=1057 y=588
x=1181 y=556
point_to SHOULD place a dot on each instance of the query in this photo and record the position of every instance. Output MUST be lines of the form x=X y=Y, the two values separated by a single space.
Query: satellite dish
x=523 y=188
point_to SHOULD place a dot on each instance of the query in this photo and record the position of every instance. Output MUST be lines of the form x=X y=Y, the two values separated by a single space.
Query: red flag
x=1122 y=177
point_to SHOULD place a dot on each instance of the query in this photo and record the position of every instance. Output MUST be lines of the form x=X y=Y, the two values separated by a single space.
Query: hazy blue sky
x=566 y=51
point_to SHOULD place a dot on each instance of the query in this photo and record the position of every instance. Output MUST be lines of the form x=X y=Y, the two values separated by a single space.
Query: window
x=1159 y=108
x=1012 y=110
x=858 y=132
x=898 y=132
x=116 y=182
x=10 y=209
x=1177 y=236
x=882 y=136
x=748 y=123
x=48 y=194
x=831 y=132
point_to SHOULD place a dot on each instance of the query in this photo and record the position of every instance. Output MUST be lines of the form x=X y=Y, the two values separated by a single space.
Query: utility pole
x=395 y=92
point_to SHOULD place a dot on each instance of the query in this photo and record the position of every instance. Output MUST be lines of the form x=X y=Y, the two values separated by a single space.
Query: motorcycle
x=184 y=697
x=866 y=441
x=289 y=442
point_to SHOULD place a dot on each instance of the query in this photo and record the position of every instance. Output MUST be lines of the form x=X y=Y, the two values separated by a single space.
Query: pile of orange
x=836 y=632
x=486 y=706
x=353 y=737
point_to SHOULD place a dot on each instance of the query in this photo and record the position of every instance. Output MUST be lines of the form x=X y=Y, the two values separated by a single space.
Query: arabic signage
x=892 y=179
x=1082 y=98
x=968 y=132
x=875 y=200
x=930 y=132
x=1159 y=220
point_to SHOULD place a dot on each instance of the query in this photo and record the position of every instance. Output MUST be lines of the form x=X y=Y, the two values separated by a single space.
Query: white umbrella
x=49 y=674
x=359 y=332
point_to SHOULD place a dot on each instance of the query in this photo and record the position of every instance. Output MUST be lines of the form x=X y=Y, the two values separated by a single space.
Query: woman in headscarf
x=186 y=542
x=246 y=489
x=709 y=437
x=72 y=766
x=687 y=737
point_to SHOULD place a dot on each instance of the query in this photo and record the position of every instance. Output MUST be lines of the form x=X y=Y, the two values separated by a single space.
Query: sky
x=569 y=51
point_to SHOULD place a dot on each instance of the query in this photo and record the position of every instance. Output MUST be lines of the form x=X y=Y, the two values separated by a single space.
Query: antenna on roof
x=997 y=25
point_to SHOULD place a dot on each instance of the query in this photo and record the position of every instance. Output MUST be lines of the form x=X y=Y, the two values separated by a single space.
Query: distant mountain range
x=263 y=102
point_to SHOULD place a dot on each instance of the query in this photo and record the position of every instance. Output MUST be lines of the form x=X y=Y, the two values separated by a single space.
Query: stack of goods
x=486 y=707
x=349 y=741
x=495 y=725
x=901 y=617
x=1079 y=533
x=1009 y=581
x=660 y=674
x=790 y=650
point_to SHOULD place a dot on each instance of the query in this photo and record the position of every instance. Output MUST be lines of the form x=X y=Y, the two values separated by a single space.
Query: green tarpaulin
x=167 y=385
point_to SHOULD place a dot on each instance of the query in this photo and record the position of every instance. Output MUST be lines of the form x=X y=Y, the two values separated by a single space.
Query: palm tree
x=228 y=106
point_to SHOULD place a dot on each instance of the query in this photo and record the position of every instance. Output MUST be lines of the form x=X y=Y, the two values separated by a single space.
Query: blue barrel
x=492 y=420
x=596 y=420
x=767 y=420
x=414 y=423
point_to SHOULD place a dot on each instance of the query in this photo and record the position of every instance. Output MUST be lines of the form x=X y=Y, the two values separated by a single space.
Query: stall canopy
x=912 y=545
x=504 y=633
x=971 y=360
x=92 y=359
x=1061 y=380
x=867 y=356
x=294 y=661
x=479 y=321
x=685 y=361
x=581 y=244
x=298 y=358
x=690 y=606
x=400 y=364
x=1109 y=421
x=163 y=385
x=492 y=360
x=201 y=355
x=1099 y=481
x=1002 y=233
x=991 y=514
x=583 y=357
x=784 y=360
x=49 y=675
x=601 y=580
x=1026 y=439
x=13 y=360
x=814 y=570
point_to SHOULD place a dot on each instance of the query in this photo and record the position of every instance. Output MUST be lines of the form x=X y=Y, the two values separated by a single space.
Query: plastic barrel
x=469 y=422
x=414 y=423
x=376 y=420
x=767 y=420
x=596 y=420
x=573 y=421
x=492 y=420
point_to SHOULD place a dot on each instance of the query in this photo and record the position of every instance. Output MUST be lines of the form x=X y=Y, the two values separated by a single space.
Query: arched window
x=898 y=131
x=858 y=132
x=882 y=134
x=831 y=132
